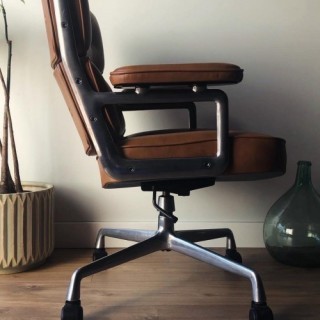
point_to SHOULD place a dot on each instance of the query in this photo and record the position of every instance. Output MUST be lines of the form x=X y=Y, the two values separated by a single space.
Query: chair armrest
x=158 y=96
x=138 y=170
x=190 y=106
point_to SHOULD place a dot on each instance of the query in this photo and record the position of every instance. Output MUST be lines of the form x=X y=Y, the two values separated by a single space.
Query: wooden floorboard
x=162 y=286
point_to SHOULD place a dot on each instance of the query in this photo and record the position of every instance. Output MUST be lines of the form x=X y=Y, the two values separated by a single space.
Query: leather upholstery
x=51 y=28
x=73 y=106
x=253 y=155
x=169 y=74
x=95 y=51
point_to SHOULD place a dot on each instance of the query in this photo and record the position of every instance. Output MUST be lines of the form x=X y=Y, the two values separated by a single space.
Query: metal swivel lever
x=165 y=205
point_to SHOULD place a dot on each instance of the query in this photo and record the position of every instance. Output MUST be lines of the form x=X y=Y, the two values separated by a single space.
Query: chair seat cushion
x=176 y=74
x=252 y=155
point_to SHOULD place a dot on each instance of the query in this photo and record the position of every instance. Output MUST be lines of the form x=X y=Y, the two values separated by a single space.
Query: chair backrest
x=89 y=49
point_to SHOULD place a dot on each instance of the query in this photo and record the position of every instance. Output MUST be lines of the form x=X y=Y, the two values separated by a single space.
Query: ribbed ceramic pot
x=26 y=227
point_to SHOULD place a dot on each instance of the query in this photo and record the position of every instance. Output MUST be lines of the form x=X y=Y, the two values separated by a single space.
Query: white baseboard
x=83 y=234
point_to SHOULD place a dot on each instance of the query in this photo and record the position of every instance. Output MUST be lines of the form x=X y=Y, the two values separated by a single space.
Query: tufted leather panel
x=253 y=156
x=95 y=51
x=166 y=74
x=250 y=152
x=50 y=23
x=73 y=106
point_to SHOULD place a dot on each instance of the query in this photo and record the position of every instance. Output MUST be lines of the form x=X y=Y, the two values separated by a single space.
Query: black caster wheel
x=233 y=255
x=72 y=310
x=98 y=254
x=260 y=311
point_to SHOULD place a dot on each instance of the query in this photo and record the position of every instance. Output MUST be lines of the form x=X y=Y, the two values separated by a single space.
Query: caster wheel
x=72 y=310
x=260 y=312
x=233 y=255
x=98 y=254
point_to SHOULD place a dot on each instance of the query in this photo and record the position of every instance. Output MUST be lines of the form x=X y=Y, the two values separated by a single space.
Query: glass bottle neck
x=303 y=176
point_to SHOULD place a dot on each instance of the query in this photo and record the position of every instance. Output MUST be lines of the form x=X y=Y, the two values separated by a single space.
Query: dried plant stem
x=10 y=180
x=6 y=183
x=17 y=179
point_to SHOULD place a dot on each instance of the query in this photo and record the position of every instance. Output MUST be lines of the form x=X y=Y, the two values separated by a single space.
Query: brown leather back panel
x=72 y=104
x=90 y=51
x=51 y=28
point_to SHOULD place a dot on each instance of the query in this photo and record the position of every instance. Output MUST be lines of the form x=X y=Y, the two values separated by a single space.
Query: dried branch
x=6 y=183
x=5 y=186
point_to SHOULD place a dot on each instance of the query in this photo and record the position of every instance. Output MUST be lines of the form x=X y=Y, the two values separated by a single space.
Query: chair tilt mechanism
x=167 y=162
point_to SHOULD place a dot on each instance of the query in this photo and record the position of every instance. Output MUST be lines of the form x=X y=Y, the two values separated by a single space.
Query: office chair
x=164 y=162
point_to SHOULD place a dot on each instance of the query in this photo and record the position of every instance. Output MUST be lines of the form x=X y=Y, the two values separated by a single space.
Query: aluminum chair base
x=166 y=238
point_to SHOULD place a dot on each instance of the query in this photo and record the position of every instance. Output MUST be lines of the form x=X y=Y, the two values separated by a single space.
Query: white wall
x=276 y=42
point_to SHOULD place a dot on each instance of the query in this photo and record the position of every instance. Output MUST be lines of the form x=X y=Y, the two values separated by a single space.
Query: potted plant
x=26 y=209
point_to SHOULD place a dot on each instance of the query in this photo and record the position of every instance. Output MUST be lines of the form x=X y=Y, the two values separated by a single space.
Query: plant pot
x=26 y=228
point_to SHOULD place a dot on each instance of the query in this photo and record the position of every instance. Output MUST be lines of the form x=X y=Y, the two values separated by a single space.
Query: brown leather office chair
x=166 y=161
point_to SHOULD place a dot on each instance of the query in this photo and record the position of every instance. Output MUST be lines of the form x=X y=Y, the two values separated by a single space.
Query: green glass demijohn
x=292 y=227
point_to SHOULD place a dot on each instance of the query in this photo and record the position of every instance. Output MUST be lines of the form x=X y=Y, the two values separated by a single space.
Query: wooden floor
x=164 y=285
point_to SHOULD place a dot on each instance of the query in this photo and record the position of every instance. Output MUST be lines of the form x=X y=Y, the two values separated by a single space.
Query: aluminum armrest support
x=131 y=170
